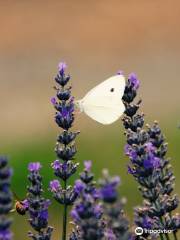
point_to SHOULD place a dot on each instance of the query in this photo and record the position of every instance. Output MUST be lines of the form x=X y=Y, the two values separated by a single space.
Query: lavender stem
x=64 y=214
x=167 y=236
x=175 y=236
x=162 y=223
x=161 y=236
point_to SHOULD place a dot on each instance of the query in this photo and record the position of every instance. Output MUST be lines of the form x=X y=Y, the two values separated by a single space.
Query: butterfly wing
x=104 y=115
x=104 y=102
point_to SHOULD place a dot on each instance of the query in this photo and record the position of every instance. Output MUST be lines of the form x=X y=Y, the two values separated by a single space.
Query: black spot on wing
x=112 y=90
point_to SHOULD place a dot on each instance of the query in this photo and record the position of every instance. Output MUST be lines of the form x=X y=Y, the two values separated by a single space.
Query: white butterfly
x=104 y=102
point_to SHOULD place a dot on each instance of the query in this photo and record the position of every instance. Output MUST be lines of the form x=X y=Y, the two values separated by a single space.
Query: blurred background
x=96 y=39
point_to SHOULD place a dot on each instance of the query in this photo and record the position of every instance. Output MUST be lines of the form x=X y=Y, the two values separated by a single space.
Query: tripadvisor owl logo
x=139 y=231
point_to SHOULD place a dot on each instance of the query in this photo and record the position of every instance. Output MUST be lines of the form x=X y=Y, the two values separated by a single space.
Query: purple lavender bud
x=53 y=100
x=25 y=204
x=87 y=165
x=66 y=153
x=64 y=118
x=129 y=151
x=150 y=147
x=147 y=223
x=62 y=67
x=55 y=186
x=151 y=161
x=98 y=211
x=96 y=193
x=75 y=215
x=67 y=137
x=34 y=167
x=131 y=170
x=108 y=188
x=43 y=215
x=56 y=164
x=134 y=80
x=5 y=235
x=108 y=193
x=79 y=186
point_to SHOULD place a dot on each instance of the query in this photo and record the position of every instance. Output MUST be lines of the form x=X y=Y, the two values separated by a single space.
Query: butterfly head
x=79 y=105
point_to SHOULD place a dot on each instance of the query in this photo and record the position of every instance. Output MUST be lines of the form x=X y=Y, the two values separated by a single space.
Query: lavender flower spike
x=113 y=207
x=37 y=205
x=87 y=212
x=64 y=166
x=5 y=199
x=146 y=149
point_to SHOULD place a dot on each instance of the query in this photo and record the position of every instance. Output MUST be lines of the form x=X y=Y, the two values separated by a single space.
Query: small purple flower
x=80 y=208
x=98 y=210
x=108 y=193
x=56 y=165
x=87 y=165
x=79 y=186
x=65 y=113
x=157 y=162
x=129 y=151
x=134 y=80
x=34 y=167
x=151 y=162
x=54 y=186
x=25 y=204
x=96 y=193
x=150 y=147
x=75 y=215
x=147 y=223
x=53 y=100
x=44 y=214
x=62 y=67
x=131 y=170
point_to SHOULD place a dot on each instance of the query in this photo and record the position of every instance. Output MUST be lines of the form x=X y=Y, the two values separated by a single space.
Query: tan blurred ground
x=96 y=38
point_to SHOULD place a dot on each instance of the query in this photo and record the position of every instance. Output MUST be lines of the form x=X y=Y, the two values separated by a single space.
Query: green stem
x=161 y=220
x=64 y=215
x=175 y=236
x=174 y=232
x=167 y=236
x=161 y=237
